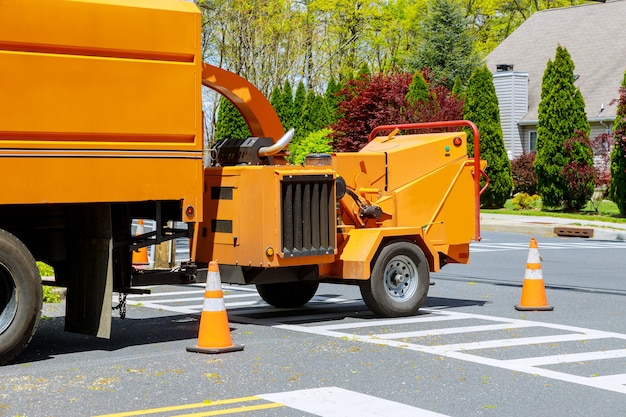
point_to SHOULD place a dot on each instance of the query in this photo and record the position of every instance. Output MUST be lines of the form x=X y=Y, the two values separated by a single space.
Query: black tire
x=20 y=296
x=399 y=281
x=288 y=294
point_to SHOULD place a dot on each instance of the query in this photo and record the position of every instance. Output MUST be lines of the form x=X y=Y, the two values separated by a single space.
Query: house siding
x=512 y=92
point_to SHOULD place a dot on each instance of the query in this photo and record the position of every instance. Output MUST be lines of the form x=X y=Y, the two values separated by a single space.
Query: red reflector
x=457 y=141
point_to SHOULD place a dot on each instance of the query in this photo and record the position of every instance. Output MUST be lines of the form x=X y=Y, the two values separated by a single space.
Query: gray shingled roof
x=595 y=37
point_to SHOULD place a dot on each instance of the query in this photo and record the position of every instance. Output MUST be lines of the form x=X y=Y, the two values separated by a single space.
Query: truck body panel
x=94 y=113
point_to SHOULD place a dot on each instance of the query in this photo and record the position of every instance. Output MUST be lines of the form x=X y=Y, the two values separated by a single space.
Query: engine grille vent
x=308 y=215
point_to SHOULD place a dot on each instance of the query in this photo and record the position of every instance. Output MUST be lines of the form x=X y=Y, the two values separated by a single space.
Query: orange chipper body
x=102 y=126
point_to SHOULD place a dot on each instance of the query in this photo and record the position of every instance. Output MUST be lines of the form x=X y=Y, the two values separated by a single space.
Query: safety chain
x=121 y=306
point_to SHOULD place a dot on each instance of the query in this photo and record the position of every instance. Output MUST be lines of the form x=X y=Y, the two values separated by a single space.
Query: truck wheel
x=399 y=282
x=288 y=294
x=20 y=296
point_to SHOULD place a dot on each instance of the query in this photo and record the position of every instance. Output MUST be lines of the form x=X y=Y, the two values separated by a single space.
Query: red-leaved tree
x=380 y=99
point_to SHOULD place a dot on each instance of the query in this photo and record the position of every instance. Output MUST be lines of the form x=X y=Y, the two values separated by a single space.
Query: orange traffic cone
x=140 y=256
x=533 y=291
x=214 y=334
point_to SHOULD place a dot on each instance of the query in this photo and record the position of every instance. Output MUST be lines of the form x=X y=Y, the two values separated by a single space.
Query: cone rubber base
x=198 y=349
x=524 y=308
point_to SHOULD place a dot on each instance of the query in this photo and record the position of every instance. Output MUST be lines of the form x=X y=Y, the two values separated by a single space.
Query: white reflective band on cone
x=213 y=282
x=533 y=274
x=213 y=304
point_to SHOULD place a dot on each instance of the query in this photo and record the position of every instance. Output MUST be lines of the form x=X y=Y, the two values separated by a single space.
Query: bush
x=524 y=176
x=315 y=142
x=524 y=201
x=579 y=173
x=49 y=295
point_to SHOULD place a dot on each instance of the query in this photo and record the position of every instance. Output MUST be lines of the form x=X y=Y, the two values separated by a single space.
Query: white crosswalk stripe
x=488 y=246
x=462 y=336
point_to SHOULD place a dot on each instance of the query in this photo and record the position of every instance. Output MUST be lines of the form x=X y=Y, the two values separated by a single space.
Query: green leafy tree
x=447 y=48
x=230 y=123
x=561 y=115
x=481 y=107
x=617 y=188
x=315 y=142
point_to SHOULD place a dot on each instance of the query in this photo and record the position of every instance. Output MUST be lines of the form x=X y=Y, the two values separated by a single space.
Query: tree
x=331 y=98
x=313 y=114
x=447 y=48
x=617 y=189
x=285 y=111
x=457 y=88
x=276 y=102
x=418 y=89
x=312 y=118
x=481 y=107
x=298 y=102
x=561 y=115
x=230 y=123
x=381 y=100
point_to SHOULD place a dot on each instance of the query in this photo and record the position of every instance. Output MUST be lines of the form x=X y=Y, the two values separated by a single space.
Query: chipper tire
x=288 y=294
x=399 y=281
x=20 y=296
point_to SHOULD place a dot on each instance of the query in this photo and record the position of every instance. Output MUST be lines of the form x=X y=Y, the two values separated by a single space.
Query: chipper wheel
x=20 y=296
x=399 y=281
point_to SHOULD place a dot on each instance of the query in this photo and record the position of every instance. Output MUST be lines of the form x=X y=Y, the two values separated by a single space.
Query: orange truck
x=101 y=123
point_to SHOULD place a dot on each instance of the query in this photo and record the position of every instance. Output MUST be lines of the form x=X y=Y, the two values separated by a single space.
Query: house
x=593 y=34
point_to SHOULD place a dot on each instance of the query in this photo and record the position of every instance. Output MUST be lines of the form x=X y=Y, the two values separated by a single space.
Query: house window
x=532 y=141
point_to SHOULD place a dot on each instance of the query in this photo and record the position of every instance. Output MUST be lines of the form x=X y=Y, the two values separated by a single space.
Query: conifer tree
x=285 y=112
x=617 y=188
x=448 y=47
x=457 y=88
x=230 y=123
x=312 y=114
x=277 y=102
x=561 y=115
x=298 y=105
x=331 y=99
x=481 y=107
x=418 y=89
x=364 y=71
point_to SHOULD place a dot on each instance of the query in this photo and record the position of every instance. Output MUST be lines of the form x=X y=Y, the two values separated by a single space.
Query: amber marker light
x=269 y=252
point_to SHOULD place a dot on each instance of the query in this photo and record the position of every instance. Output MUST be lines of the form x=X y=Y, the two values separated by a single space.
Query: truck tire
x=399 y=281
x=20 y=296
x=288 y=294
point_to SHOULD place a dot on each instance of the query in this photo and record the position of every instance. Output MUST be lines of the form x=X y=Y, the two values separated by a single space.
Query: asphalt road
x=468 y=353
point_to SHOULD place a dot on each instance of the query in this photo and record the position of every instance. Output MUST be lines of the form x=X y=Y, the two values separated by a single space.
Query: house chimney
x=504 y=67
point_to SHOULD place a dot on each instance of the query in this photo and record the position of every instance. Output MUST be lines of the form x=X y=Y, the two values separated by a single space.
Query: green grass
x=607 y=212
